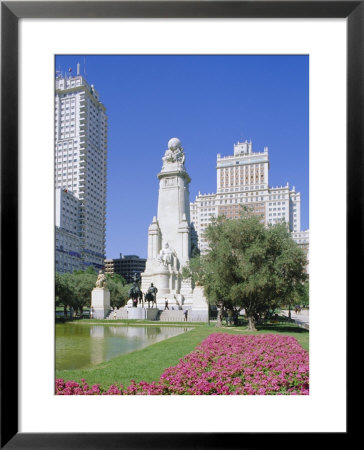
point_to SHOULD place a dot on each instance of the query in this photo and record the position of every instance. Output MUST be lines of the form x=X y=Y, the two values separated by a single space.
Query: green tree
x=118 y=290
x=249 y=266
x=194 y=270
x=214 y=278
x=91 y=270
x=83 y=283
x=73 y=290
x=116 y=278
x=303 y=297
x=273 y=268
x=65 y=292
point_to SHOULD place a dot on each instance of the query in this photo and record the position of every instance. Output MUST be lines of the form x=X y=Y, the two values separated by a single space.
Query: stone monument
x=169 y=235
x=100 y=298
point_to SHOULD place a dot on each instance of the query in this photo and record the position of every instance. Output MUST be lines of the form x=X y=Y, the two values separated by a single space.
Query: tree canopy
x=249 y=266
x=118 y=290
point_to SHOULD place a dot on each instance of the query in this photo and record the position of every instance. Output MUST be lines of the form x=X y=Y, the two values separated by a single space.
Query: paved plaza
x=301 y=318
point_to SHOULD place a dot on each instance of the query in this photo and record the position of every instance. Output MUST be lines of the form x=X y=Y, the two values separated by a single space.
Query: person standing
x=185 y=313
x=235 y=318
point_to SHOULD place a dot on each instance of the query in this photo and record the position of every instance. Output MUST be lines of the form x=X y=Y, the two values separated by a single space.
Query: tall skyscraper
x=80 y=161
x=242 y=180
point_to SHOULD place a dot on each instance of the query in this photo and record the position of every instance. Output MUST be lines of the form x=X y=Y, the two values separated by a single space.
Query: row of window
x=251 y=188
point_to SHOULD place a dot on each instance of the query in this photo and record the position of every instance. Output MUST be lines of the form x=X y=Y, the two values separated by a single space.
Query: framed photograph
x=330 y=34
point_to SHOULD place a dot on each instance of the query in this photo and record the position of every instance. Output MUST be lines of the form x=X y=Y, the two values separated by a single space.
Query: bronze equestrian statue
x=151 y=295
x=135 y=292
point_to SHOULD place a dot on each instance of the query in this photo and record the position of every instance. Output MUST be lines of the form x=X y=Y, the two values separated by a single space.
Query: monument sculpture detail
x=165 y=255
x=101 y=280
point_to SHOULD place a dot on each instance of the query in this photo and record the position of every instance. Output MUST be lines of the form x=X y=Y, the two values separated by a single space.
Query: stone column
x=184 y=241
x=173 y=202
x=154 y=239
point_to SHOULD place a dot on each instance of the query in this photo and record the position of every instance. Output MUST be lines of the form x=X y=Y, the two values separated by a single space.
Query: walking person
x=185 y=313
x=166 y=303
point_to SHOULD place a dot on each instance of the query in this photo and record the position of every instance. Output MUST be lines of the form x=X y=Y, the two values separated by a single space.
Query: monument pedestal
x=151 y=313
x=186 y=287
x=200 y=306
x=199 y=299
x=161 y=278
x=136 y=313
x=141 y=313
x=100 y=303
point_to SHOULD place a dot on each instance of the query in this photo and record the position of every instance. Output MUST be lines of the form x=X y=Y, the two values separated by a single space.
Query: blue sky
x=209 y=103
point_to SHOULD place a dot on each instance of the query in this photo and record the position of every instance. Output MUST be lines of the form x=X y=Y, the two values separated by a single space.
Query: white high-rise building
x=68 y=241
x=80 y=159
x=242 y=181
x=202 y=211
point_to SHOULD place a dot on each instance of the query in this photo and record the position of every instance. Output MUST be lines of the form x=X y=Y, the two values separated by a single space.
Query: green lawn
x=150 y=362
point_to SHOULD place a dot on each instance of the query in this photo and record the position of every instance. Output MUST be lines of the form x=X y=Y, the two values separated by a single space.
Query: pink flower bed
x=222 y=364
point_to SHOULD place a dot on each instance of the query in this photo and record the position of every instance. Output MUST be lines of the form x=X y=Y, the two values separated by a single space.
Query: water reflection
x=85 y=345
x=97 y=331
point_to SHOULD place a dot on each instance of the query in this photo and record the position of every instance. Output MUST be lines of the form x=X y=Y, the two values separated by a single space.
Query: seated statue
x=165 y=255
x=101 y=280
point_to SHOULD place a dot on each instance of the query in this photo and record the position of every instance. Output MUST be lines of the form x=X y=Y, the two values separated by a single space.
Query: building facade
x=80 y=160
x=243 y=183
x=202 y=210
x=126 y=266
x=68 y=242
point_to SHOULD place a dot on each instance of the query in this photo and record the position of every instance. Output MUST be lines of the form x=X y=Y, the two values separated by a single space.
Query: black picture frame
x=11 y=12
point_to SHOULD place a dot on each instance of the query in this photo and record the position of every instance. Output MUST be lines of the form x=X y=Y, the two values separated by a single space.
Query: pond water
x=80 y=346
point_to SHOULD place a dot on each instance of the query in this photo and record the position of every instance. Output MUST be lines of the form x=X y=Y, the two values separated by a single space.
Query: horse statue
x=135 y=294
x=151 y=295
